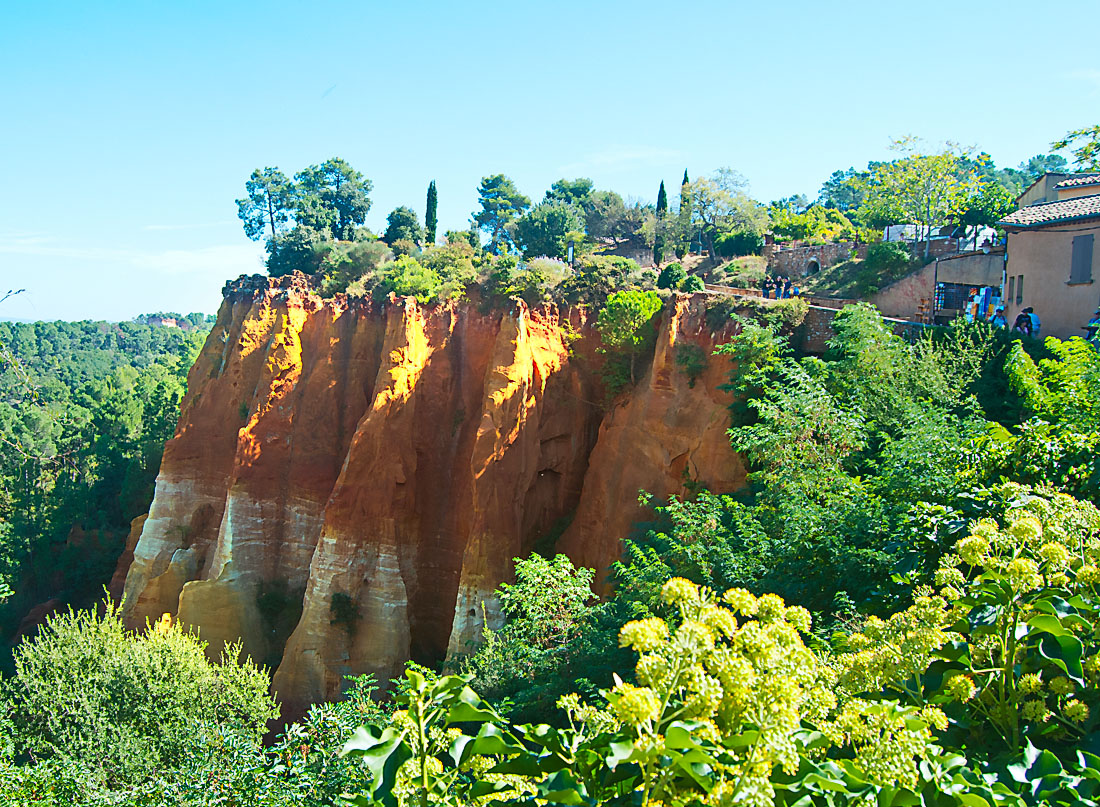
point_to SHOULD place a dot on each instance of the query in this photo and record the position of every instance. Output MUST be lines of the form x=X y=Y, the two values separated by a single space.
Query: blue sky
x=128 y=128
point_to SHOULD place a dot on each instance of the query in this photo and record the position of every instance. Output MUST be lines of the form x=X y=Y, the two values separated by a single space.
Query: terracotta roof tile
x=1083 y=207
x=1079 y=181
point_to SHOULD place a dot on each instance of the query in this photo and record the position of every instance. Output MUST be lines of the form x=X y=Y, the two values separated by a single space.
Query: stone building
x=1052 y=261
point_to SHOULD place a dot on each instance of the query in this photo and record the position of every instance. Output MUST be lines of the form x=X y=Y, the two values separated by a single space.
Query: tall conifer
x=683 y=219
x=431 y=219
x=662 y=213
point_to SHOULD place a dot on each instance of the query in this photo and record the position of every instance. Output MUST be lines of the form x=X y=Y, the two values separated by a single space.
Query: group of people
x=778 y=288
x=1027 y=322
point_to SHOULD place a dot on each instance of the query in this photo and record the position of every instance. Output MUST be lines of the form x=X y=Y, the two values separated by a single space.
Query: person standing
x=1093 y=326
x=998 y=319
x=1022 y=325
x=1036 y=326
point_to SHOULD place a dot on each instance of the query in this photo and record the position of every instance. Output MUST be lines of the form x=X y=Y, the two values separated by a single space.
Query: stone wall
x=798 y=261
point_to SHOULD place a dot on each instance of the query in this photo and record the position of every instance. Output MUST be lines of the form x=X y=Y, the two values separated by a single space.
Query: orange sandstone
x=349 y=482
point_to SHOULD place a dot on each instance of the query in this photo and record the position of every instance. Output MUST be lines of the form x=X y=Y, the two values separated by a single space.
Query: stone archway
x=813 y=266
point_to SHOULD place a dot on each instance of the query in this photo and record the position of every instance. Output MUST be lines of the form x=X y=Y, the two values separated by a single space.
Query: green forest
x=85 y=408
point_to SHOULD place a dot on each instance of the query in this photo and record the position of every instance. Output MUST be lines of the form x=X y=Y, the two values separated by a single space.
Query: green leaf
x=1065 y=652
x=562 y=788
x=382 y=755
x=981 y=616
x=1048 y=623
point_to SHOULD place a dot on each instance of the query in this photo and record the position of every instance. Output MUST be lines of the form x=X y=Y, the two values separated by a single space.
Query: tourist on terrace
x=1035 y=324
x=1093 y=326
x=998 y=319
x=1022 y=324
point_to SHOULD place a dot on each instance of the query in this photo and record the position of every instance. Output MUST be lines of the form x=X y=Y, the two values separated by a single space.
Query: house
x=1052 y=261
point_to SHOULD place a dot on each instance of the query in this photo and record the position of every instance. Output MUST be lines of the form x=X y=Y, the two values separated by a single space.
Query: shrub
x=888 y=258
x=732 y=245
x=692 y=283
x=692 y=361
x=349 y=262
x=406 y=277
x=126 y=707
x=671 y=276
x=302 y=249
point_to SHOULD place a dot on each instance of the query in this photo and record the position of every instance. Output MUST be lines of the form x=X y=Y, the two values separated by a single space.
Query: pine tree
x=662 y=213
x=431 y=219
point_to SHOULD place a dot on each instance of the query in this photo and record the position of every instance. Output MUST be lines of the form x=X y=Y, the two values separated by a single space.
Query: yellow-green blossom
x=741 y=601
x=678 y=590
x=961 y=688
x=643 y=635
x=635 y=705
x=1030 y=684
x=1075 y=711
x=1023 y=574
x=1061 y=686
x=1056 y=555
x=1035 y=711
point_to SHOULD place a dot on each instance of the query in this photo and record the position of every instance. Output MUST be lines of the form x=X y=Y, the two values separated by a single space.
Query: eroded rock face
x=349 y=482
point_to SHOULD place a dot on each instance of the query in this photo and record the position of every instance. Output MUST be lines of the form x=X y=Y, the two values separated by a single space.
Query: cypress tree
x=431 y=219
x=683 y=219
x=659 y=238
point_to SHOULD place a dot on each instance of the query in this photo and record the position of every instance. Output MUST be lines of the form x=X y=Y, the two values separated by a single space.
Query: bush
x=692 y=283
x=732 y=245
x=406 y=277
x=349 y=262
x=888 y=258
x=302 y=249
x=127 y=707
x=671 y=276
x=692 y=361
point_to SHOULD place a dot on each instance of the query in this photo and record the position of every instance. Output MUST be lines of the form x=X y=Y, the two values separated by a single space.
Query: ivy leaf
x=981 y=616
x=1065 y=652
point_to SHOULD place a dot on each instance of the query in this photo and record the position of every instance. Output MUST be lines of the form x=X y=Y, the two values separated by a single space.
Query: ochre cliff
x=349 y=482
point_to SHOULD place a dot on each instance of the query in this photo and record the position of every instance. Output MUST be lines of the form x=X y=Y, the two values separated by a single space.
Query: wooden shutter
x=1019 y=289
x=1011 y=289
x=1080 y=267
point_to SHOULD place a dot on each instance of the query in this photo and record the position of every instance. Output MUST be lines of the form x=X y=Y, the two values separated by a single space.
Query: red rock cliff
x=349 y=482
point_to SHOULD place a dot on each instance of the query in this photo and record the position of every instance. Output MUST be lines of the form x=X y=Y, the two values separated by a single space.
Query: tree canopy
x=501 y=204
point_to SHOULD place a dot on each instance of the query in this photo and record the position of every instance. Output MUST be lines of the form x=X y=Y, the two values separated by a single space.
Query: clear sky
x=127 y=129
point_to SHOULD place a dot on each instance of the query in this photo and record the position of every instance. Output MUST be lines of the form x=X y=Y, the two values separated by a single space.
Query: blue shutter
x=1080 y=267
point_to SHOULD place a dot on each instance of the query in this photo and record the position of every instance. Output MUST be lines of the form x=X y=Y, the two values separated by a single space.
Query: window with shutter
x=1080 y=267
x=1020 y=289
x=1011 y=288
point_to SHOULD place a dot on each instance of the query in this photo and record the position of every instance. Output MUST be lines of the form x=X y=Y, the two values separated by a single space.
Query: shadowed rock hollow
x=349 y=482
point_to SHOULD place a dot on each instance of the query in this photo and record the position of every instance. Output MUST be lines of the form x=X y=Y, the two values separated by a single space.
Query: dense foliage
x=85 y=408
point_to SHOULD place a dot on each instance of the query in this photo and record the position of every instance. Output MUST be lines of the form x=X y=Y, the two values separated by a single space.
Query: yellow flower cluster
x=756 y=675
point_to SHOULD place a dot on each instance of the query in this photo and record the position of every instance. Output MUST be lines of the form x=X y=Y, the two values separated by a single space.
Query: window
x=1020 y=289
x=1011 y=288
x=1080 y=266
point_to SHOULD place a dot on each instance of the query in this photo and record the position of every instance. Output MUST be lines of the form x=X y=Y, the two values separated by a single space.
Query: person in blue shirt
x=998 y=319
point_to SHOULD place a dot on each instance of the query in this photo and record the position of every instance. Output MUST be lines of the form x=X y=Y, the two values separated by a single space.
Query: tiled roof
x=1077 y=182
x=1083 y=207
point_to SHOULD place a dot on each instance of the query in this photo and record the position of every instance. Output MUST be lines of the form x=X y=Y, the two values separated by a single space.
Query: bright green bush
x=124 y=708
x=407 y=277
